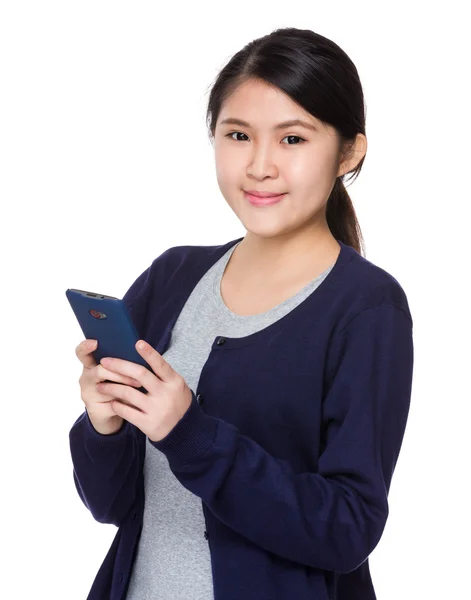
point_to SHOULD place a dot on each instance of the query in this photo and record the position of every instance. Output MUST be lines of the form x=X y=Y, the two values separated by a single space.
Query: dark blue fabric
x=291 y=439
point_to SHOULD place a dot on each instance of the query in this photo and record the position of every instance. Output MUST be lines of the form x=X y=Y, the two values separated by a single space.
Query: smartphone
x=107 y=320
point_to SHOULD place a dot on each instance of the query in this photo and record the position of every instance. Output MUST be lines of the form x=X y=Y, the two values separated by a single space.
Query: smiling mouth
x=263 y=194
x=258 y=201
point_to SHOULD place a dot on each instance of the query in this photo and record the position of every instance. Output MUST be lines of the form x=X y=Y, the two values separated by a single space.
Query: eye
x=297 y=137
x=288 y=136
x=235 y=132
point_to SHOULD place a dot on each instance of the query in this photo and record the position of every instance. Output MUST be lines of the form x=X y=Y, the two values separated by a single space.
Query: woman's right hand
x=98 y=405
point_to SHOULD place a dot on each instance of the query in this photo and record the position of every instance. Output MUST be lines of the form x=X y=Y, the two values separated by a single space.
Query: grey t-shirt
x=173 y=561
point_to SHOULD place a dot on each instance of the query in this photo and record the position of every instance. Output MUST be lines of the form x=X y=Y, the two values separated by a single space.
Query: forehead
x=264 y=106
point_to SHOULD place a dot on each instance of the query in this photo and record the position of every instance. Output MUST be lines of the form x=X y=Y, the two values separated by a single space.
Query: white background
x=105 y=163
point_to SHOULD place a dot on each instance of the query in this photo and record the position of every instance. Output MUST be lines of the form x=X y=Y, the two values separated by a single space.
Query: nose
x=262 y=163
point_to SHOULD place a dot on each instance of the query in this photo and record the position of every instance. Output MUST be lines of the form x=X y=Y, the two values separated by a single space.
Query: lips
x=263 y=194
x=263 y=201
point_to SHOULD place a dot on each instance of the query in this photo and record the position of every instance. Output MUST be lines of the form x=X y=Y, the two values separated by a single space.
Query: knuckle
x=179 y=383
x=141 y=373
x=100 y=374
x=126 y=393
x=80 y=347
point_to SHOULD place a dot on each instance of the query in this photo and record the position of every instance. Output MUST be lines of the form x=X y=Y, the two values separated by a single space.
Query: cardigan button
x=200 y=399
x=221 y=341
x=206 y=535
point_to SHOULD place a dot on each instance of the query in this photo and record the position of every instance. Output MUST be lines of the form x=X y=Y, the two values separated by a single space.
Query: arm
x=331 y=519
x=107 y=467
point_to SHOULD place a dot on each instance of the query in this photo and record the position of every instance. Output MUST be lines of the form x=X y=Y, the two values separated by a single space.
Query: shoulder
x=365 y=285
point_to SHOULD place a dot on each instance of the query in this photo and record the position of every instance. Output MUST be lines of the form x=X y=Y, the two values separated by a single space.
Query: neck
x=289 y=252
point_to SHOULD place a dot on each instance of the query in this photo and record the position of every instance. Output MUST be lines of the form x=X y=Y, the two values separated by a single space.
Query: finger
x=156 y=361
x=138 y=372
x=123 y=392
x=127 y=412
x=103 y=374
x=84 y=353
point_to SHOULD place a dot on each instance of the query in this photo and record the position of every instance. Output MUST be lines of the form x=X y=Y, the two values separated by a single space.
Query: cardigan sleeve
x=107 y=468
x=333 y=518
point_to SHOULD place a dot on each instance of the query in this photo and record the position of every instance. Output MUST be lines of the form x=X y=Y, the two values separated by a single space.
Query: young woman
x=258 y=465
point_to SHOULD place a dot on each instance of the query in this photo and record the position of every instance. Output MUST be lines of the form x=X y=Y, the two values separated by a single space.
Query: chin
x=263 y=224
x=264 y=230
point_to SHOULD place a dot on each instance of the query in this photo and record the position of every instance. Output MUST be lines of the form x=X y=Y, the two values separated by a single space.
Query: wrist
x=108 y=427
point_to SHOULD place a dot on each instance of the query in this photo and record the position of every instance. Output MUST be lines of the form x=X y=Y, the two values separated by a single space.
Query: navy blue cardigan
x=291 y=439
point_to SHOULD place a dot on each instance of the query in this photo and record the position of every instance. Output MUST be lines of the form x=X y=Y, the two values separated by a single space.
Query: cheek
x=305 y=169
x=224 y=181
x=228 y=172
x=309 y=175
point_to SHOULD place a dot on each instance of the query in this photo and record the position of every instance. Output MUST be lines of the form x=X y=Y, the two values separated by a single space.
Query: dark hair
x=319 y=76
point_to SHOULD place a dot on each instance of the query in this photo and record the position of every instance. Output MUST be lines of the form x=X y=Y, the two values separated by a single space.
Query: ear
x=354 y=153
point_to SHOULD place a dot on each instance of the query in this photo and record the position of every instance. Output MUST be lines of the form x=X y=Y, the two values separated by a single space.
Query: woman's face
x=263 y=158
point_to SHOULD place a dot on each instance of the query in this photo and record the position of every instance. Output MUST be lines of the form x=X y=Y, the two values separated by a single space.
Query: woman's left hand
x=168 y=398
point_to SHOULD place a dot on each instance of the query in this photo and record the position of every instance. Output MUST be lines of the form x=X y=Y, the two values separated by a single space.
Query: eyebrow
x=284 y=125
